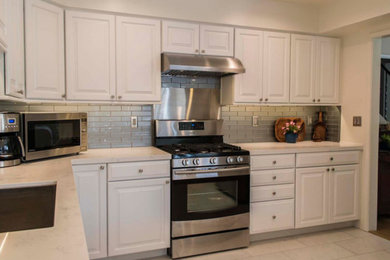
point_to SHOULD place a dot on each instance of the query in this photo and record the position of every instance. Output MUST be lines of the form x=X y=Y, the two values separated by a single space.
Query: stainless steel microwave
x=48 y=135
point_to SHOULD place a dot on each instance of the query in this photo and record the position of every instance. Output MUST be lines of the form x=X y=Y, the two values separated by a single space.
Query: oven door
x=206 y=200
x=51 y=134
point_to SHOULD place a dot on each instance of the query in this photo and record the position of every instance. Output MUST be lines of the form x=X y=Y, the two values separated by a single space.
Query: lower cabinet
x=91 y=184
x=326 y=195
x=138 y=216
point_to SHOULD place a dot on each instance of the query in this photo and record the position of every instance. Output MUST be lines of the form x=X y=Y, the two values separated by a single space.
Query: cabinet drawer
x=328 y=158
x=270 y=177
x=273 y=192
x=262 y=162
x=271 y=216
x=138 y=170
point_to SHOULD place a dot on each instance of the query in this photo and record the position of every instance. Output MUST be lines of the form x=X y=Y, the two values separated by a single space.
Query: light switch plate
x=357 y=121
x=134 y=122
x=255 y=121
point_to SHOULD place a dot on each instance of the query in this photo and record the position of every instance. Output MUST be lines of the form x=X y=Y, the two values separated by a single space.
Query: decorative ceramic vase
x=291 y=138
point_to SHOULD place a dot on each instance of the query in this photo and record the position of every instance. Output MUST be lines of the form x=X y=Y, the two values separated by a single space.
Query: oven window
x=212 y=196
x=44 y=135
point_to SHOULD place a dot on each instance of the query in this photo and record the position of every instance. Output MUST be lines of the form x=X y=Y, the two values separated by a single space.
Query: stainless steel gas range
x=209 y=190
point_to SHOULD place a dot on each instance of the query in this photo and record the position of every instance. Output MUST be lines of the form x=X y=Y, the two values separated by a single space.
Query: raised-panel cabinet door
x=343 y=187
x=3 y=31
x=138 y=216
x=248 y=86
x=216 y=40
x=15 y=85
x=180 y=37
x=90 y=56
x=276 y=67
x=303 y=52
x=328 y=58
x=138 y=59
x=91 y=184
x=311 y=197
x=45 y=67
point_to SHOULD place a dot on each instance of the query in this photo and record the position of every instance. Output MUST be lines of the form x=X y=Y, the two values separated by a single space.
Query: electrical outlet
x=134 y=122
x=357 y=121
x=255 y=121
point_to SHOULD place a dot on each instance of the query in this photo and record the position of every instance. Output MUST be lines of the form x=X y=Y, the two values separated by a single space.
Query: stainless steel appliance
x=53 y=134
x=209 y=190
x=11 y=147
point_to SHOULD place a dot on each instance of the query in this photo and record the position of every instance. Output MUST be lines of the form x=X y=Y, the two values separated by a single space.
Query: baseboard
x=143 y=255
x=300 y=231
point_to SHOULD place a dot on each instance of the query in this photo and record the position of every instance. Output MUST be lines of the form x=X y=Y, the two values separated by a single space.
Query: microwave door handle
x=213 y=170
x=22 y=146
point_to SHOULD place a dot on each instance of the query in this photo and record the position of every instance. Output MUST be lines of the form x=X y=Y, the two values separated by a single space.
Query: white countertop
x=299 y=147
x=66 y=240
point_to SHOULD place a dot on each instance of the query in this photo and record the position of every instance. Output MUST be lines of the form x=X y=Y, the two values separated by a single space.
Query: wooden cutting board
x=282 y=122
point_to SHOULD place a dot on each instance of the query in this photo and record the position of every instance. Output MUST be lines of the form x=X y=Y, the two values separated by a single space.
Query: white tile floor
x=351 y=244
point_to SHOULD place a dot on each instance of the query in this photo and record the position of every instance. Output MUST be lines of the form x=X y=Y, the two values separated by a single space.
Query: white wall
x=342 y=13
x=270 y=14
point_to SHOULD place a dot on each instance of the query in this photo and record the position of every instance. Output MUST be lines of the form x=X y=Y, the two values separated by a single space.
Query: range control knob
x=240 y=159
x=213 y=160
x=196 y=161
x=184 y=162
x=230 y=160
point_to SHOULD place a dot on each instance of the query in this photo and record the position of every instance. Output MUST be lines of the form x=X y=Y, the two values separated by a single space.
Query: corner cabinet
x=138 y=216
x=314 y=69
x=90 y=56
x=192 y=38
x=3 y=31
x=138 y=65
x=91 y=184
x=45 y=67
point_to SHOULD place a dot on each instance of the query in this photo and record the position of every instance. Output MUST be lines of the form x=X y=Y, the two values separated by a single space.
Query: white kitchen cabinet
x=311 y=198
x=45 y=67
x=91 y=184
x=180 y=37
x=138 y=216
x=15 y=85
x=216 y=40
x=138 y=57
x=328 y=58
x=90 y=56
x=314 y=69
x=248 y=86
x=3 y=31
x=303 y=72
x=276 y=67
x=344 y=185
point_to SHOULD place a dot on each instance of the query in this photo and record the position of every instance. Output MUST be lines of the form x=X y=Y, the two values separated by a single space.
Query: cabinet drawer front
x=138 y=170
x=271 y=216
x=262 y=162
x=273 y=192
x=328 y=158
x=270 y=177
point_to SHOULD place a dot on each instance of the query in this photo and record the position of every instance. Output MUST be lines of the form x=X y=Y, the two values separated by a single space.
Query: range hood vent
x=198 y=65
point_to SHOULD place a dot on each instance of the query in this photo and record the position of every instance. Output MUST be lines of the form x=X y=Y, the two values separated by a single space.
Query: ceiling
x=312 y=2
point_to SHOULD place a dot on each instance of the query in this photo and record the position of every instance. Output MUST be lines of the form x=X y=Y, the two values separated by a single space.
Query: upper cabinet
x=190 y=38
x=15 y=85
x=266 y=58
x=3 y=32
x=314 y=69
x=45 y=76
x=138 y=59
x=90 y=56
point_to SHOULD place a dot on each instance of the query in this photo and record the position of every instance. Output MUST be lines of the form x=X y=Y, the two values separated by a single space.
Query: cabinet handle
x=331 y=158
x=101 y=167
x=166 y=182
x=196 y=50
x=20 y=92
x=140 y=170
x=274 y=162
x=333 y=169
x=119 y=97
x=203 y=51
x=274 y=193
x=63 y=96
x=327 y=169
x=274 y=178
x=314 y=100
x=274 y=217
x=266 y=99
x=261 y=99
x=318 y=100
x=112 y=96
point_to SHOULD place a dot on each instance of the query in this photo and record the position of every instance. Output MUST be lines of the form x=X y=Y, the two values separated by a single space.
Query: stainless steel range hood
x=199 y=65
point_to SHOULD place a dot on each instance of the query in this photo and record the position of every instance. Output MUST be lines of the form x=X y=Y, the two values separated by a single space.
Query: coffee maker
x=11 y=146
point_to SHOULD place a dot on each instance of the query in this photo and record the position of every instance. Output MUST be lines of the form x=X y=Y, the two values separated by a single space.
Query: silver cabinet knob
x=203 y=51
x=101 y=167
x=274 y=177
x=20 y=92
x=141 y=170
x=314 y=100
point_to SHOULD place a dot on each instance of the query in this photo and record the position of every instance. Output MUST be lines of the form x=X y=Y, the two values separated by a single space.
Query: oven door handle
x=223 y=172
